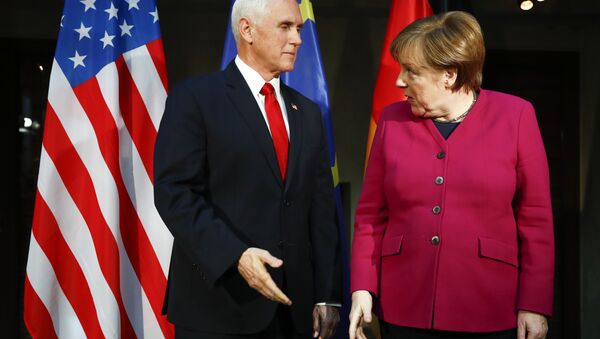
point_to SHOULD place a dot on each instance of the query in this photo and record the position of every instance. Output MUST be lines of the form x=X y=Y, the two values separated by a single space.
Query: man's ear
x=245 y=29
x=450 y=76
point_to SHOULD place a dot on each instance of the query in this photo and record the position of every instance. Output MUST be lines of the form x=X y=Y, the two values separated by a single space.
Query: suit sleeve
x=181 y=188
x=533 y=212
x=323 y=229
x=370 y=220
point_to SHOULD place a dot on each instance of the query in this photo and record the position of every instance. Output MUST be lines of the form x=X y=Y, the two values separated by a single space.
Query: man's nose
x=296 y=39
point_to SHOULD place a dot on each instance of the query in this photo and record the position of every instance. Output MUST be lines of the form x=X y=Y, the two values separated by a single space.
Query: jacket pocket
x=497 y=250
x=391 y=245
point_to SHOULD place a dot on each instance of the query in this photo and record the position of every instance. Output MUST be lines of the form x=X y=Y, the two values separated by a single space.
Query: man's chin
x=287 y=68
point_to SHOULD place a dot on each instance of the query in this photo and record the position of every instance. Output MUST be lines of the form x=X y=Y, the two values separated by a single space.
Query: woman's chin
x=419 y=114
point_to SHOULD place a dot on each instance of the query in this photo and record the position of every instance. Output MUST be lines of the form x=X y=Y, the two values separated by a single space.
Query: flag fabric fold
x=308 y=77
x=99 y=252
x=402 y=13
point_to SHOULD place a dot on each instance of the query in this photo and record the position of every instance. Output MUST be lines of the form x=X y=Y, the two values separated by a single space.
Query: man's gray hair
x=251 y=9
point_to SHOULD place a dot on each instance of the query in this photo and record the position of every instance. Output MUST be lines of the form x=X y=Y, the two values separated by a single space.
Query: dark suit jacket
x=219 y=190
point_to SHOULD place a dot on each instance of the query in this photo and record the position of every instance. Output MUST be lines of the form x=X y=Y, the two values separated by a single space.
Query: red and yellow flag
x=402 y=13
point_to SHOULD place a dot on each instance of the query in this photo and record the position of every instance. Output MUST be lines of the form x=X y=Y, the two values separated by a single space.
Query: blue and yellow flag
x=308 y=77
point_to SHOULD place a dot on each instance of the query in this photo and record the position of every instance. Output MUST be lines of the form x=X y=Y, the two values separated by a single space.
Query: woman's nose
x=400 y=81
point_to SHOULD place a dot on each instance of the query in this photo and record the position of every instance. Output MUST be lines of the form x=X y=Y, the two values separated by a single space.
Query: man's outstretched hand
x=252 y=268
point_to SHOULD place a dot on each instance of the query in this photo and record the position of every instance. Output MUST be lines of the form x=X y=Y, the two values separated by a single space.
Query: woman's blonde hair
x=445 y=41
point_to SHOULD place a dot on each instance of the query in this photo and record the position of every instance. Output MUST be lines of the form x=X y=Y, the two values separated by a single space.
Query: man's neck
x=252 y=63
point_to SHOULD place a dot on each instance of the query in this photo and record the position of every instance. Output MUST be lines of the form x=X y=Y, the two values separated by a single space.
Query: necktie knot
x=267 y=89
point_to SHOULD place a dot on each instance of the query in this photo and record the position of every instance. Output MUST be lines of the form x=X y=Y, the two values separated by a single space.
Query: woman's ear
x=450 y=75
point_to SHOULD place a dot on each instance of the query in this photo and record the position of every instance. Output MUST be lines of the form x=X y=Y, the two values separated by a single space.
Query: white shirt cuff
x=329 y=304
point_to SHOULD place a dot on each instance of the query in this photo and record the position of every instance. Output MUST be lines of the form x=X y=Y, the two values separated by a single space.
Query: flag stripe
x=137 y=245
x=84 y=193
x=136 y=117
x=147 y=81
x=69 y=274
x=44 y=284
x=37 y=319
x=155 y=48
x=134 y=174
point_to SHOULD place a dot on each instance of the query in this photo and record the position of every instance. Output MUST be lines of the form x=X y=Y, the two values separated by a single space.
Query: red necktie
x=277 y=126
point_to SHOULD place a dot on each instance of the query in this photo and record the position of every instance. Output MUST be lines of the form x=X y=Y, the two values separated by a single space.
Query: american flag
x=99 y=252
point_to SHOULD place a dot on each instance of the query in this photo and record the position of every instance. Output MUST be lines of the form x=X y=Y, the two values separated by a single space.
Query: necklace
x=460 y=117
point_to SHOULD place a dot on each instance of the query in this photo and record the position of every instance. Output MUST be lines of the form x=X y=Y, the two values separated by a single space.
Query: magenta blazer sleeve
x=370 y=220
x=534 y=219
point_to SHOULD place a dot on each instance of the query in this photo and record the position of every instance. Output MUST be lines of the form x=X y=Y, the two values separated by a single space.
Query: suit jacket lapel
x=294 y=112
x=241 y=97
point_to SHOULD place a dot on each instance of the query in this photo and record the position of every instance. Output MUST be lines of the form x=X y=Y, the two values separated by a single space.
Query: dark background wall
x=547 y=55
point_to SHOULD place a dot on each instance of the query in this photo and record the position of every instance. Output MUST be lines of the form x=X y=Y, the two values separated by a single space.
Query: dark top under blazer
x=219 y=190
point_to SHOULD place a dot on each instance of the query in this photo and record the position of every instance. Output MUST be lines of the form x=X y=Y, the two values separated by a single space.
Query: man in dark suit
x=242 y=180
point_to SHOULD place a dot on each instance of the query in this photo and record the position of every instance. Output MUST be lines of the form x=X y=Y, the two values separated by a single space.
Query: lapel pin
x=294 y=107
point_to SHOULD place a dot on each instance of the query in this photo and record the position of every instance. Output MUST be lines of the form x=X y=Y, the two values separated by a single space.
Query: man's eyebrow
x=290 y=23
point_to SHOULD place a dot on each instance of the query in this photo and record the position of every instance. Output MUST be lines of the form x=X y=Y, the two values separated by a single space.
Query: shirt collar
x=254 y=80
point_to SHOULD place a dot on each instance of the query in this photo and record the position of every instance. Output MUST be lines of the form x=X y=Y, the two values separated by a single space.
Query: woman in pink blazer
x=453 y=235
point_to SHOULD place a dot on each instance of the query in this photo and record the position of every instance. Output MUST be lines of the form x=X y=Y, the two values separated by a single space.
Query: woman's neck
x=458 y=107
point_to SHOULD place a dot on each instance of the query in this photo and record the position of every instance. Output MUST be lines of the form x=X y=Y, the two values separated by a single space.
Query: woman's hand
x=362 y=303
x=529 y=325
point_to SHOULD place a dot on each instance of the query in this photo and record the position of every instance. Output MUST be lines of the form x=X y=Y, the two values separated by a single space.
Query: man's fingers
x=328 y=329
x=272 y=261
x=316 y=322
x=251 y=267
x=274 y=291
x=328 y=318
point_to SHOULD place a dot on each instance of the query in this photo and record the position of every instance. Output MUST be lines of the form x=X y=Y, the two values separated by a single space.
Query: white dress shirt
x=256 y=82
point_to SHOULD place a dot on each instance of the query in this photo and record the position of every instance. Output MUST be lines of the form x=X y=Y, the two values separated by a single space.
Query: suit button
x=435 y=240
x=439 y=180
x=441 y=155
x=280 y=243
x=287 y=203
x=436 y=209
